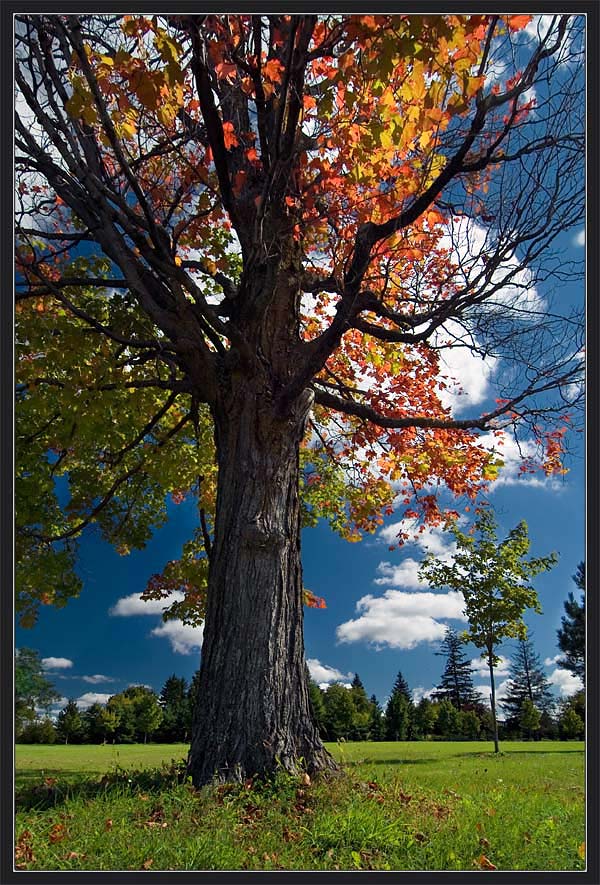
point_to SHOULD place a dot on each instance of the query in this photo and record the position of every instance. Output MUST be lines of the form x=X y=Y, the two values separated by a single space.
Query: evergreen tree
x=176 y=715
x=456 y=684
x=70 y=725
x=377 y=721
x=361 y=719
x=527 y=682
x=571 y=635
x=399 y=712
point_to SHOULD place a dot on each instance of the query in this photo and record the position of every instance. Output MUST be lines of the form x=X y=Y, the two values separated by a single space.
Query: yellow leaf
x=581 y=851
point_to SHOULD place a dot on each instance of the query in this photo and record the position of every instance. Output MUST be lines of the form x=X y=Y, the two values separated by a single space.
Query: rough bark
x=253 y=713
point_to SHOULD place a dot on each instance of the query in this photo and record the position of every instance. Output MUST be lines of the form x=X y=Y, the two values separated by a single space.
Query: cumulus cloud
x=432 y=539
x=512 y=453
x=56 y=663
x=402 y=620
x=405 y=574
x=468 y=375
x=550 y=662
x=323 y=674
x=479 y=666
x=184 y=638
x=97 y=678
x=566 y=683
x=420 y=692
x=501 y=691
x=91 y=697
x=135 y=605
x=579 y=238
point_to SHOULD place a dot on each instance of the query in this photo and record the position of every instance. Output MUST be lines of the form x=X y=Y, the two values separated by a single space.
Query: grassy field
x=397 y=806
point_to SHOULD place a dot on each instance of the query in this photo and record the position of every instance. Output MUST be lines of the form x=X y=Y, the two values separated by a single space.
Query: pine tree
x=362 y=710
x=399 y=712
x=456 y=684
x=377 y=723
x=571 y=635
x=527 y=682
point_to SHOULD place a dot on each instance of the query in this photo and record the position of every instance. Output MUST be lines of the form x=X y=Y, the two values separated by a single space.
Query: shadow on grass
x=51 y=787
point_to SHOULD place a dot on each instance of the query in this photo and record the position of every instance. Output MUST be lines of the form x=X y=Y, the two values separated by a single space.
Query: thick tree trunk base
x=252 y=712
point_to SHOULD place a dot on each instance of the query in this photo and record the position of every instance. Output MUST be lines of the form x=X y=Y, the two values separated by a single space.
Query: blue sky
x=378 y=619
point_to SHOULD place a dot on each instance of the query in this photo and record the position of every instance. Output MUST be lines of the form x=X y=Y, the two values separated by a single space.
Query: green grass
x=397 y=806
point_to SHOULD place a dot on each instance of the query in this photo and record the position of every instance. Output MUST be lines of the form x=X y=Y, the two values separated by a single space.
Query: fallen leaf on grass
x=306 y=779
x=108 y=824
x=581 y=851
x=485 y=843
x=23 y=851
x=57 y=833
x=147 y=864
x=484 y=863
x=73 y=855
x=420 y=837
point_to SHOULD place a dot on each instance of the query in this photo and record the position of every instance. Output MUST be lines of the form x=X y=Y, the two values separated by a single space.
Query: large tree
x=33 y=689
x=245 y=246
x=571 y=635
x=495 y=580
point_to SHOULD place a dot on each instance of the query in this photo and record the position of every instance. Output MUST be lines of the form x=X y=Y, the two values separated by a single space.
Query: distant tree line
x=453 y=711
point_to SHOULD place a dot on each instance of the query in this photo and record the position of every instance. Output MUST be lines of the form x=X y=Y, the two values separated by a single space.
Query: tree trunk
x=493 y=701
x=253 y=713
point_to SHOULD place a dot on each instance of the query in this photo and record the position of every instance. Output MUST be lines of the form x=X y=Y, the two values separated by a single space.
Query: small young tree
x=70 y=725
x=426 y=715
x=571 y=725
x=571 y=635
x=529 y=718
x=494 y=580
x=456 y=684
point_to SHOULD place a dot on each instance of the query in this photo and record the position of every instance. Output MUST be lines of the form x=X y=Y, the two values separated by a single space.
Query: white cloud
x=420 y=692
x=323 y=674
x=184 y=638
x=501 y=691
x=56 y=663
x=402 y=620
x=97 y=678
x=403 y=575
x=135 y=605
x=479 y=666
x=550 y=662
x=579 y=238
x=468 y=375
x=432 y=540
x=91 y=697
x=566 y=682
x=512 y=453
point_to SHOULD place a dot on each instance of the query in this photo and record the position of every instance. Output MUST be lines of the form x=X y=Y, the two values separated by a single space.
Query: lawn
x=397 y=806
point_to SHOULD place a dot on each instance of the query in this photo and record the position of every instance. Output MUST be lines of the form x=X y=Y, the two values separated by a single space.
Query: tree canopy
x=245 y=246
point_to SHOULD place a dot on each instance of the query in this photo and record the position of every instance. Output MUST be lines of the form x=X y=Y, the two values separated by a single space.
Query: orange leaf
x=518 y=22
x=485 y=863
